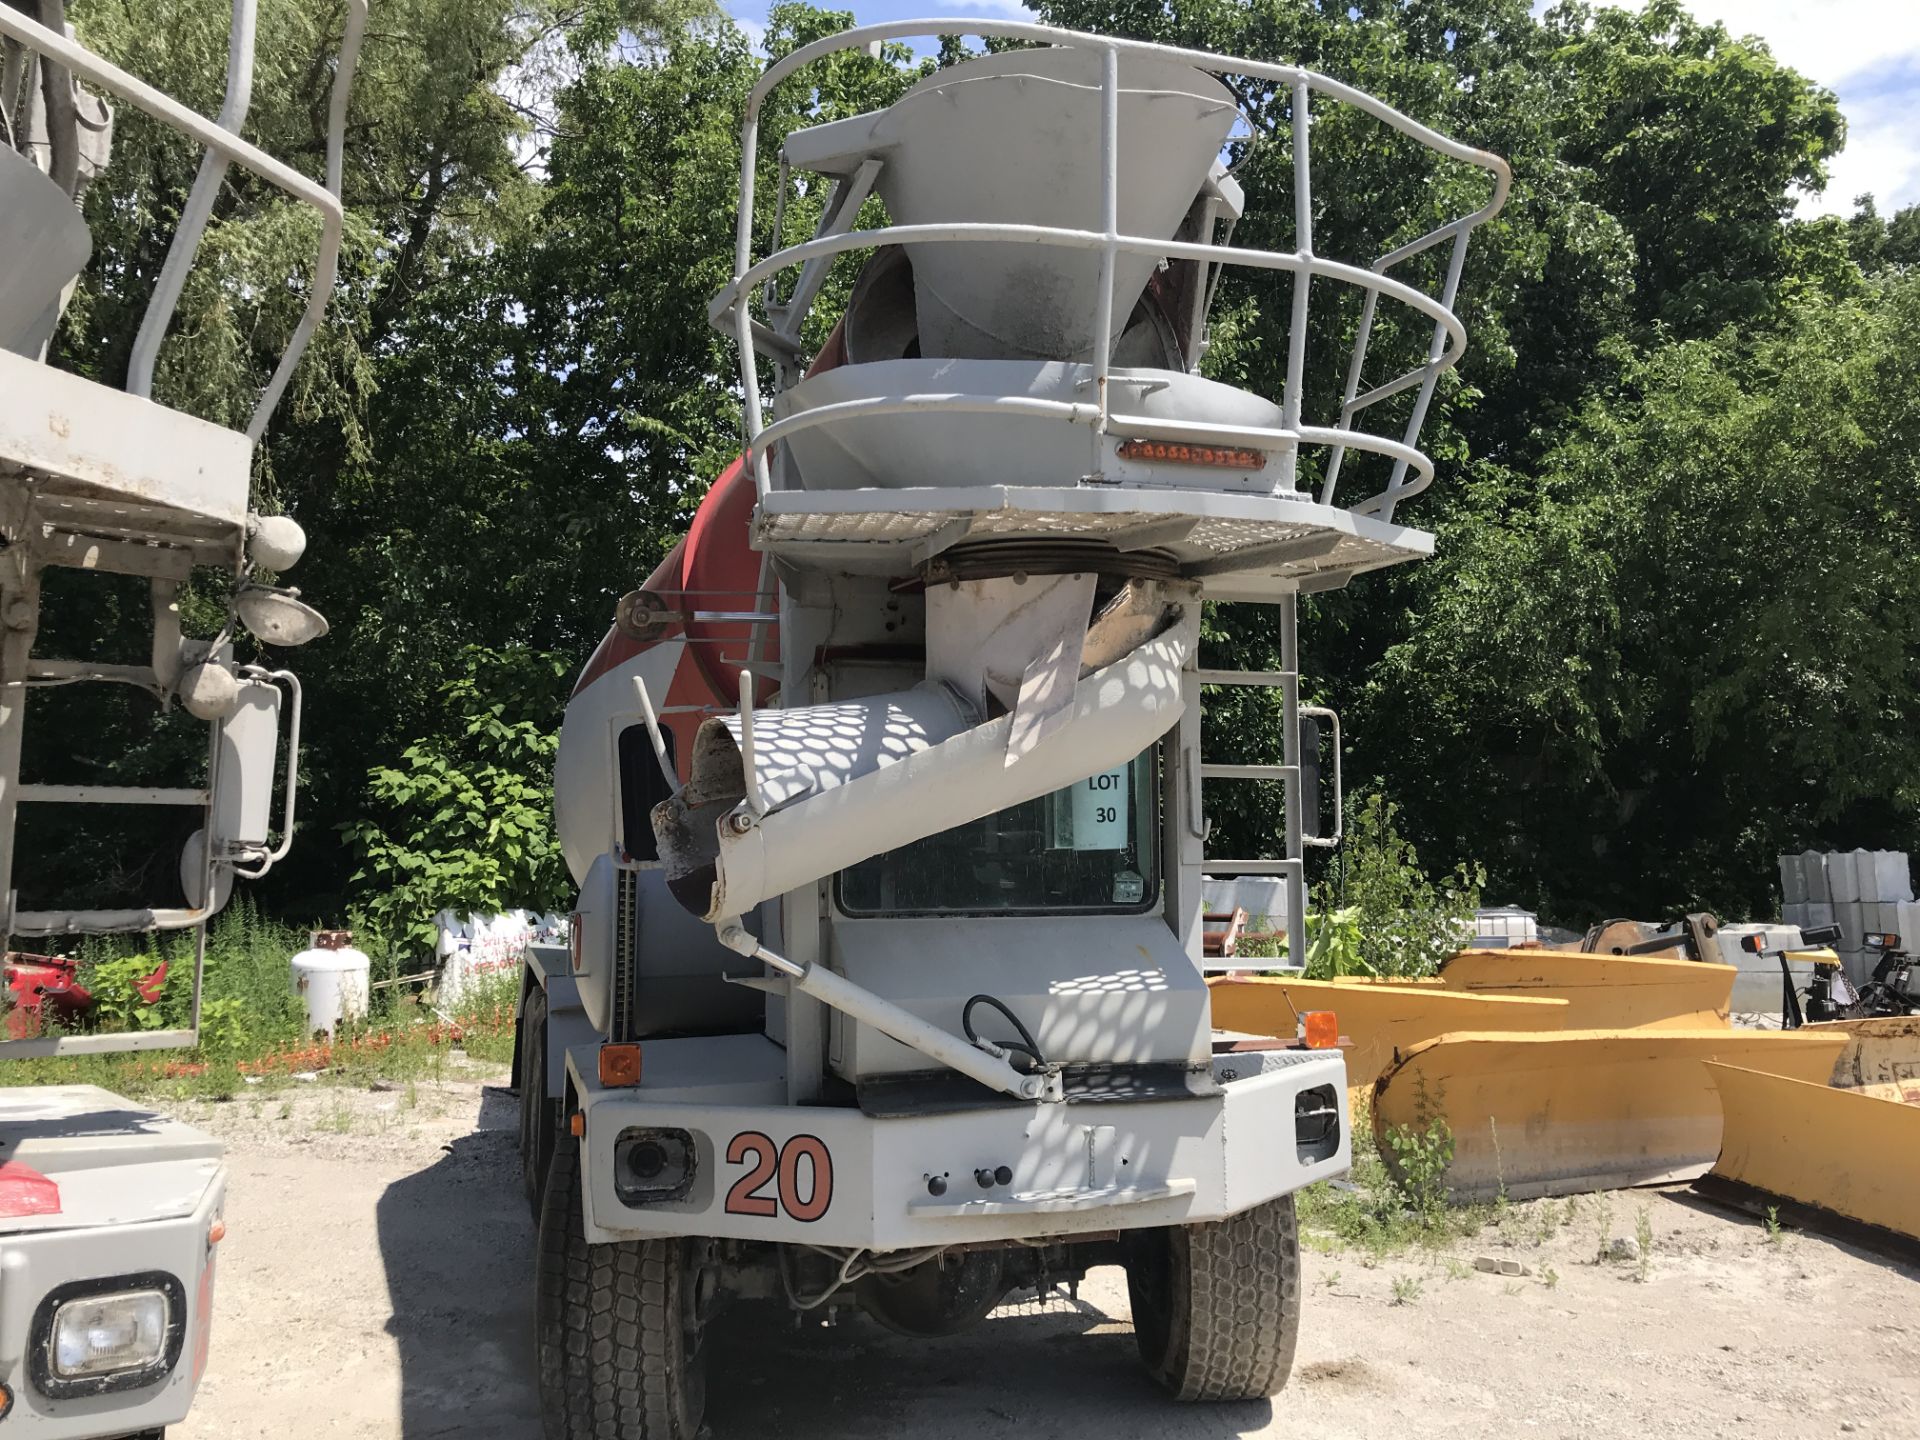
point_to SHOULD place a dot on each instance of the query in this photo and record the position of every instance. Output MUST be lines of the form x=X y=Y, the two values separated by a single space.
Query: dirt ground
x=375 y=1283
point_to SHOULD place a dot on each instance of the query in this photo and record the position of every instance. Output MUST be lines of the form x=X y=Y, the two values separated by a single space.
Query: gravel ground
x=376 y=1284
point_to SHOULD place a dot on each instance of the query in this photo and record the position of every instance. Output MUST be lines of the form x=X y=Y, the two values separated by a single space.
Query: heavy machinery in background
x=1841 y=1150
x=885 y=792
x=1557 y=1071
x=1892 y=987
x=110 y=1214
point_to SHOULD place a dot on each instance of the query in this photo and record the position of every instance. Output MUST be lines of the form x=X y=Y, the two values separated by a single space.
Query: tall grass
x=247 y=999
x=251 y=1021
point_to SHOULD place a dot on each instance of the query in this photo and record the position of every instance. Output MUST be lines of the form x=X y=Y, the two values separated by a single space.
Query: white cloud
x=1004 y=9
x=1882 y=157
x=1868 y=53
x=1825 y=40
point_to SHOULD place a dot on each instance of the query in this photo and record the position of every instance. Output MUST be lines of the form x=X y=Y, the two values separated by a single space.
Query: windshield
x=1093 y=846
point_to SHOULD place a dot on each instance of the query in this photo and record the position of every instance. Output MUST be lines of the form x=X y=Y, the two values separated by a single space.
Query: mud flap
x=1583 y=1110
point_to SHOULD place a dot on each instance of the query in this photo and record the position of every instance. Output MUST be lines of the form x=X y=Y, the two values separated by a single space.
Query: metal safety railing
x=731 y=310
x=224 y=147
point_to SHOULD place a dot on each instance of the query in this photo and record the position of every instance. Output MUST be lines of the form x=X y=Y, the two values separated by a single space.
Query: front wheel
x=539 y=1115
x=617 y=1326
x=1216 y=1306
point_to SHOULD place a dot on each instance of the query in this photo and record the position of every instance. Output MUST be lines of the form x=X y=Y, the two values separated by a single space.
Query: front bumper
x=32 y=1264
x=766 y=1170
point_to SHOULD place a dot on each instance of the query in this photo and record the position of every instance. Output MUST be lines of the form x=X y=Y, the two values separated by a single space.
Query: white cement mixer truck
x=885 y=793
x=110 y=1214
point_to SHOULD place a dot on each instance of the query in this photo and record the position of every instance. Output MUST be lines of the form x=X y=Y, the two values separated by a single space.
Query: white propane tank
x=333 y=980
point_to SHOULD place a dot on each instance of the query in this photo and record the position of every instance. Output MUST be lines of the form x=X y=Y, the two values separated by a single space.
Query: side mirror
x=244 y=768
x=1311 y=810
x=245 y=764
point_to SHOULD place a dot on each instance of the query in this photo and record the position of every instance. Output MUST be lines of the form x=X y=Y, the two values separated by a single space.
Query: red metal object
x=713 y=567
x=150 y=986
x=25 y=1191
x=46 y=989
x=42 y=988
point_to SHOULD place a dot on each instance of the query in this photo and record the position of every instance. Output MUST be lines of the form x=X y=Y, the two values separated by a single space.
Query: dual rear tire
x=616 y=1327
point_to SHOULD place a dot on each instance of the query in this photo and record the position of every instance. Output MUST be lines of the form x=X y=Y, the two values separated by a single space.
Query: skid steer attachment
x=1881 y=1058
x=1558 y=1114
x=1835 y=1156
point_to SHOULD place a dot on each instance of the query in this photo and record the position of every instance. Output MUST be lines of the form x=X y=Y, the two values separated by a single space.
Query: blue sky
x=1866 y=51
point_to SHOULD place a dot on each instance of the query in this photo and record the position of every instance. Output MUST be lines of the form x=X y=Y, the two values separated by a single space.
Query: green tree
x=1665 y=632
x=465 y=820
x=1687 y=647
x=402 y=448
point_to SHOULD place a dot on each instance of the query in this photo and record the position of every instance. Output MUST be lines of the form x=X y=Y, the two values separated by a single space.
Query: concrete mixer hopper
x=885 y=792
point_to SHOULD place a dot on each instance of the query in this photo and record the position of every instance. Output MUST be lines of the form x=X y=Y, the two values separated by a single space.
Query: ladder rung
x=1267 y=679
x=87 y=670
x=1214 y=866
x=101 y=922
x=110 y=795
x=1249 y=772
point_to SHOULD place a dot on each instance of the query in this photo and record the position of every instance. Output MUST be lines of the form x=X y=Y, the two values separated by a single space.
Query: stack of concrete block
x=1861 y=891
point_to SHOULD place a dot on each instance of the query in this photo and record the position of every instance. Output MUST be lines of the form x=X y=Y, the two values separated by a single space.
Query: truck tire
x=617 y=1328
x=1216 y=1306
x=539 y=1114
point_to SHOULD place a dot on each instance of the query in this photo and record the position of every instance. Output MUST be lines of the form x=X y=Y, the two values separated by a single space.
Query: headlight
x=94 y=1337
x=109 y=1334
x=651 y=1167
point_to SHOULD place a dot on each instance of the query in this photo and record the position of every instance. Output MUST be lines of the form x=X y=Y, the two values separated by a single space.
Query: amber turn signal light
x=1320 y=1029
x=577 y=1124
x=619 y=1064
x=1176 y=452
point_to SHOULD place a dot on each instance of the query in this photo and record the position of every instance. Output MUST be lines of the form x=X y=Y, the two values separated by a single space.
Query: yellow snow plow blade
x=1841 y=1152
x=1605 y=992
x=1379 y=1017
x=1882 y=1056
x=1555 y=1114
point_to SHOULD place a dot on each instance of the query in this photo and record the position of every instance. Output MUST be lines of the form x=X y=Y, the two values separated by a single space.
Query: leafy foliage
x=468 y=808
x=1387 y=1209
x=1667 y=631
x=1402 y=923
x=247 y=1002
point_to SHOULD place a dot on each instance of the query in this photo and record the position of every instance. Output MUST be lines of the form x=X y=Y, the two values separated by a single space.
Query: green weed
x=1377 y=1212
x=1603 y=1223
